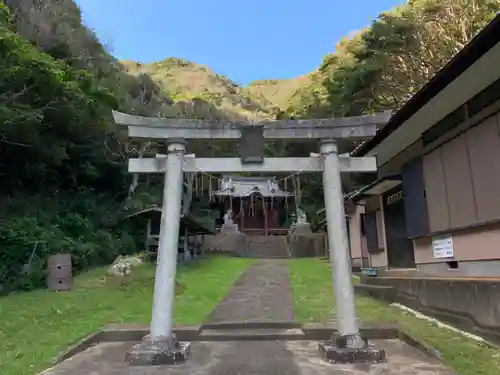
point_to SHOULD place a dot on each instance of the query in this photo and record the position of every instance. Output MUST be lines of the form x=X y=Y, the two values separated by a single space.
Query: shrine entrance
x=161 y=346
x=254 y=215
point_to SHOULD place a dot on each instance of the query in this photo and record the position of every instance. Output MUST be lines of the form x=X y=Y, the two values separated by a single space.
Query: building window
x=482 y=100
x=473 y=106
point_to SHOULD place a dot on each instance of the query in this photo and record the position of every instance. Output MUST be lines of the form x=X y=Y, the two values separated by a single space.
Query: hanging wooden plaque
x=252 y=145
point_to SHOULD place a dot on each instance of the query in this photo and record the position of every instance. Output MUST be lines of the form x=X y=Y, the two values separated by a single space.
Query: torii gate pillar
x=161 y=346
x=337 y=240
x=349 y=345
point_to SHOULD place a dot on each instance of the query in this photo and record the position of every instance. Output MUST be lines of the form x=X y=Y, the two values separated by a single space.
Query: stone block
x=351 y=355
x=229 y=229
x=304 y=228
x=158 y=352
x=351 y=349
x=306 y=245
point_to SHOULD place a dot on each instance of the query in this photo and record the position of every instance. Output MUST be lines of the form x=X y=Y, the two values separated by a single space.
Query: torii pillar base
x=351 y=349
x=158 y=352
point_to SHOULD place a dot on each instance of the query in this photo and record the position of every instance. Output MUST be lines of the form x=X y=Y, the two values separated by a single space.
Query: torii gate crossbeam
x=191 y=164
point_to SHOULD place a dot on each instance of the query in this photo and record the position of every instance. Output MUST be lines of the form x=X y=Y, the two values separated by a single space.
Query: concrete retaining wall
x=473 y=304
x=300 y=245
x=226 y=243
x=307 y=245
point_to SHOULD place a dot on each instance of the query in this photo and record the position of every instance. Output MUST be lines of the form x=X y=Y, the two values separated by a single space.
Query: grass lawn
x=36 y=326
x=314 y=302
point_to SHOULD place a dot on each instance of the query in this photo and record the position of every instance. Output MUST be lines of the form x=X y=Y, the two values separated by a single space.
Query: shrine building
x=258 y=205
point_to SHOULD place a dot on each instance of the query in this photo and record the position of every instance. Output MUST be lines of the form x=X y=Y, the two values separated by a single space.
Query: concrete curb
x=318 y=332
x=122 y=333
x=412 y=341
x=237 y=331
x=80 y=346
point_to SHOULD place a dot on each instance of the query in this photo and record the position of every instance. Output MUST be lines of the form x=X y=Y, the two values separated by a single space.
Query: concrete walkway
x=251 y=358
x=261 y=294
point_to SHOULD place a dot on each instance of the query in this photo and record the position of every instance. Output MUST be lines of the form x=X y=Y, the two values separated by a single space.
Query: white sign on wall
x=442 y=247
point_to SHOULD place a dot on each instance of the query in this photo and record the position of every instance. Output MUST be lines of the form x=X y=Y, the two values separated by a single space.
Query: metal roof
x=193 y=224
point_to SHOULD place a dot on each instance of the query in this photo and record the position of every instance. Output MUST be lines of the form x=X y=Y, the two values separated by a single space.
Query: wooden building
x=435 y=208
x=191 y=230
x=258 y=205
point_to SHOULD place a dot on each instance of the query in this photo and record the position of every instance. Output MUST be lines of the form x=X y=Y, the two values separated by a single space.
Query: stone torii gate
x=161 y=346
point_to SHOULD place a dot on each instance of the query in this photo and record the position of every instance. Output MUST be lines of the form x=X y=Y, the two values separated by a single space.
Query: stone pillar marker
x=229 y=226
x=301 y=226
x=349 y=345
x=161 y=346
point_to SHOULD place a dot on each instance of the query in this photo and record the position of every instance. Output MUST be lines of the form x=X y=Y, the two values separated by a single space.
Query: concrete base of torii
x=351 y=349
x=158 y=352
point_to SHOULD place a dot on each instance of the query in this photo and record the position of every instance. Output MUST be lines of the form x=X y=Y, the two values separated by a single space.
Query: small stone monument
x=229 y=227
x=228 y=217
x=302 y=226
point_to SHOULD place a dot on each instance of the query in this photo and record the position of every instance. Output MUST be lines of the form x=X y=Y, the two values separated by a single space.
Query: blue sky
x=244 y=40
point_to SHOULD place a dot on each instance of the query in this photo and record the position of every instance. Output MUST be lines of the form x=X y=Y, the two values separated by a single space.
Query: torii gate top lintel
x=357 y=127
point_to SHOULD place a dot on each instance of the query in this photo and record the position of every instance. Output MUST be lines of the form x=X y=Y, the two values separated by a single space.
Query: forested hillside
x=62 y=167
x=64 y=184
x=188 y=81
x=382 y=66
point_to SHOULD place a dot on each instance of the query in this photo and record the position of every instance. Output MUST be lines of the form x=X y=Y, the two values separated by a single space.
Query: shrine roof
x=242 y=186
x=192 y=223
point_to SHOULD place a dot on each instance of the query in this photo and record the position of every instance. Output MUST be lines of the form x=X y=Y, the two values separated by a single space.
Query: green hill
x=187 y=81
x=276 y=93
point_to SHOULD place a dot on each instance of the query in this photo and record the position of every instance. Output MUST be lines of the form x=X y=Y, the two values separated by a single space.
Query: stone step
x=265 y=238
x=252 y=324
x=268 y=254
x=276 y=245
x=264 y=250
x=256 y=334
x=268 y=250
x=270 y=243
x=266 y=247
